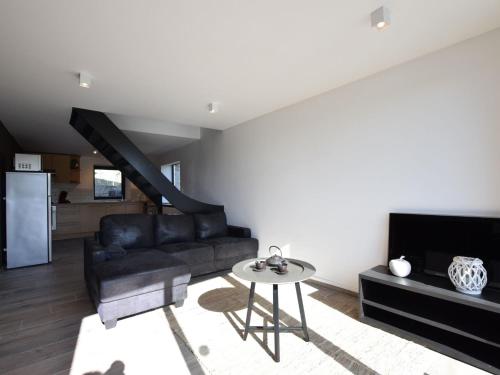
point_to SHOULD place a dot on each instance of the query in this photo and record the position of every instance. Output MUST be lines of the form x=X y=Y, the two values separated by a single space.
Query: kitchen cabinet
x=62 y=169
x=68 y=219
x=66 y=168
x=47 y=164
x=91 y=216
x=75 y=220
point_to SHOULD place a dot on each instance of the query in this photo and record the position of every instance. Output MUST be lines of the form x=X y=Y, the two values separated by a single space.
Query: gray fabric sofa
x=142 y=262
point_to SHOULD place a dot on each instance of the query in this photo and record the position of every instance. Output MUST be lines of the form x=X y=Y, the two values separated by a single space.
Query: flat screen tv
x=429 y=242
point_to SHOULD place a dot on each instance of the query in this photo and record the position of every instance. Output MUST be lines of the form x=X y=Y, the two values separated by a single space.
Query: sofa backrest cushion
x=210 y=225
x=174 y=228
x=130 y=231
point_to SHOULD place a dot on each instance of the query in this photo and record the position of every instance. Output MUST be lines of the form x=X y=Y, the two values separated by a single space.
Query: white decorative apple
x=400 y=267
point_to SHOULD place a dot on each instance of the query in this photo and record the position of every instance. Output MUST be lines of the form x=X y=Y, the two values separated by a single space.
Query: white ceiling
x=165 y=60
x=154 y=145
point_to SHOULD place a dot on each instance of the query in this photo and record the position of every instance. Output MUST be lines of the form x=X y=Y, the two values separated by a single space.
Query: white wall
x=321 y=176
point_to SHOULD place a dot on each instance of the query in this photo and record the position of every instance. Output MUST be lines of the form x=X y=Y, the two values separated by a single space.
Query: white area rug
x=205 y=337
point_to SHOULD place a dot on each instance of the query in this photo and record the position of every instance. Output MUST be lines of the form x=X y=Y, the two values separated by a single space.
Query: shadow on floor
x=117 y=368
x=192 y=362
x=236 y=298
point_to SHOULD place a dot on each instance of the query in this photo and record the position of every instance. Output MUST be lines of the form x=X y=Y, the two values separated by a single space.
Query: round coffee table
x=298 y=271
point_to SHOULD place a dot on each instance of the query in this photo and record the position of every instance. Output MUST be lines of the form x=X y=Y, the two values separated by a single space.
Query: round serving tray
x=298 y=270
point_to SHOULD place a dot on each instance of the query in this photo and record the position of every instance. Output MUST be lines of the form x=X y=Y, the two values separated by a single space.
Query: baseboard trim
x=331 y=285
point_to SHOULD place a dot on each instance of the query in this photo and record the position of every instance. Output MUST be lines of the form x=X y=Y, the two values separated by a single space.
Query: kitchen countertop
x=97 y=203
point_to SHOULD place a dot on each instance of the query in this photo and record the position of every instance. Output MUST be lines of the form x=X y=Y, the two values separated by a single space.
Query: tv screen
x=429 y=242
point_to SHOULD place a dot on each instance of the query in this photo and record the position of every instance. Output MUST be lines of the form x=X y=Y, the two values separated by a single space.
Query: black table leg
x=249 y=310
x=276 y=321
x=302 y=314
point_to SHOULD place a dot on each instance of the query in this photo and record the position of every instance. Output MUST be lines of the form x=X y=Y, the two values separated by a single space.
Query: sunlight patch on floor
x=208 y=338
x=143 y=343
x=339 y=344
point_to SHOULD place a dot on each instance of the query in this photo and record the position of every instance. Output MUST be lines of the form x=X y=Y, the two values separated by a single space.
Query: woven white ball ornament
x=468 y=275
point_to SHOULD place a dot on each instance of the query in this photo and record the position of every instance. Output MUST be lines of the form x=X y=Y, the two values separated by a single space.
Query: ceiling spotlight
x=94 y=152
x=213 y=108
x=85 y=80
x=381 y=18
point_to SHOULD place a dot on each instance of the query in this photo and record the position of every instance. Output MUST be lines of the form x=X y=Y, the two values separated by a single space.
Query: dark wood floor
x=42 y=307
x=40 y=313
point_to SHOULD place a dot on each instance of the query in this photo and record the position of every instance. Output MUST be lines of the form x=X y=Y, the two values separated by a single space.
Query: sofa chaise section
x=141 y=262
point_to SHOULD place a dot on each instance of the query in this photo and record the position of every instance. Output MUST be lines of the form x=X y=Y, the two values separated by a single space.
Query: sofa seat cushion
x=137 y=273
x=190 y=252
x=127 y=230
x=173 y=229
x=230 y=250
x=114 y=252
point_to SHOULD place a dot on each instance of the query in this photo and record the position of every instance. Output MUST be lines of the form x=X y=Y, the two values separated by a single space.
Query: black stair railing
x=114 y=145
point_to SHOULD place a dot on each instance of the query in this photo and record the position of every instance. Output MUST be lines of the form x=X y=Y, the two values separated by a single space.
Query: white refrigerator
x=28 y=219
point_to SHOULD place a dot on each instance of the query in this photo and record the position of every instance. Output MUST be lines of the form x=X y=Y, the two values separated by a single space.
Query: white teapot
x=400 y=267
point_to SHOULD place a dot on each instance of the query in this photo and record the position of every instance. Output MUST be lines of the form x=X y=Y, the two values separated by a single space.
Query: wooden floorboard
x=41 y=312
x=42 y=308
x=39 y=354
x=49 y=366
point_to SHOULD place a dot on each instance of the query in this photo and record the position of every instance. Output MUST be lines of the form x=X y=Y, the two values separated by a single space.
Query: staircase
x=110 y=141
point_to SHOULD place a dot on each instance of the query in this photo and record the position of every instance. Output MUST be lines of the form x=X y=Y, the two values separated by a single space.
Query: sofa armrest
x=93 y=252
x=241 y=232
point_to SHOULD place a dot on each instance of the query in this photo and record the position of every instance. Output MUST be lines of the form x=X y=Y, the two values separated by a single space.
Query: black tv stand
x=427 y=309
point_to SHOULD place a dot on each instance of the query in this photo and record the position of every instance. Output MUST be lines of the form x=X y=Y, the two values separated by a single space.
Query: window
x=108 y=183
x=172 y=171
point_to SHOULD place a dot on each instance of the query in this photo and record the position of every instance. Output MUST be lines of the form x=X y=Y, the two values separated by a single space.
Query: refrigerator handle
x=54 y=217
x=50 y=228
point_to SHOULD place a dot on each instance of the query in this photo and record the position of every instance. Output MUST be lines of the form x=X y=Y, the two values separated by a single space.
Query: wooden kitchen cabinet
x=66 y=168
x=114 y=209
x=47 y=164
x=62 y=169
x=75 y=220
x=74 y=165
x=68 y=219
x=90 y=217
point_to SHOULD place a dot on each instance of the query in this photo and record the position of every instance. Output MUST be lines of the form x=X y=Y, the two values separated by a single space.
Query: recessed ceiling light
x=213 y=108
x=381 y=18
x=94 y=152
x=85 y=80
